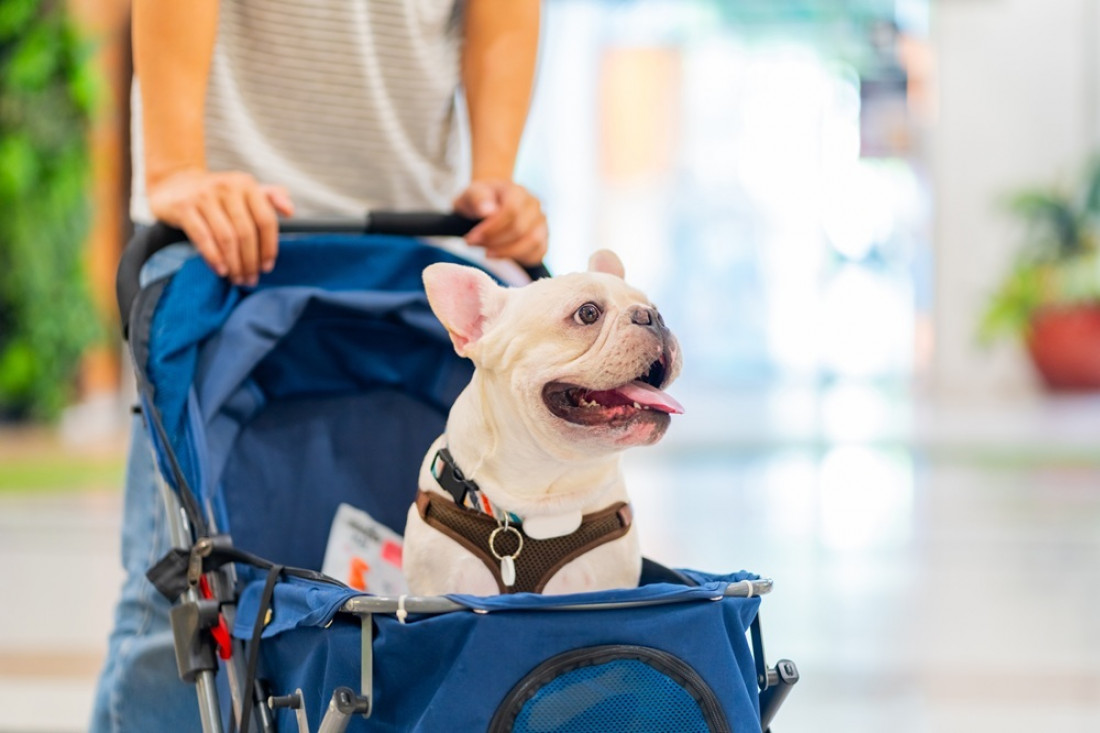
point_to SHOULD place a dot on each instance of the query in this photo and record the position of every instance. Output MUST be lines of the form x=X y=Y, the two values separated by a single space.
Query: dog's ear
x=464 y=299
x=605 y=260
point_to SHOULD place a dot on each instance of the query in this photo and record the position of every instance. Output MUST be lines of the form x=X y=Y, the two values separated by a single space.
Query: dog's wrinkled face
x=583 y=357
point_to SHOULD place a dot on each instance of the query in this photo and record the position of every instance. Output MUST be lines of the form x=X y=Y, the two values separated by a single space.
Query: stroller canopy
x=334 y=354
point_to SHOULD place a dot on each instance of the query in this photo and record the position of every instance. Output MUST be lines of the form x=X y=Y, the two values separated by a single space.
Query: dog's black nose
x=643 y=316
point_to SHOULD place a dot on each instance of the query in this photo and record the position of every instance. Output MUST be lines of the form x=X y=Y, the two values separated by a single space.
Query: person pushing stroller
x=247 y=111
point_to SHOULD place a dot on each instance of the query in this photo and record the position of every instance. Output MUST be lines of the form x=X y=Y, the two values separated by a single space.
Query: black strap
x=654 y=572
x=183 y=489
x=170 y=574
x=254 y=646
x=450 y=476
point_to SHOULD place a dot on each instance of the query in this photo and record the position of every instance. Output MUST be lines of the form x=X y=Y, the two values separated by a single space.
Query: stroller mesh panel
x=611 y=688
x=618 y=696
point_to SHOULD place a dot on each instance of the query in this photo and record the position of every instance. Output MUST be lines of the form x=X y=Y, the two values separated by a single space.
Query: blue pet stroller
x=269 y=406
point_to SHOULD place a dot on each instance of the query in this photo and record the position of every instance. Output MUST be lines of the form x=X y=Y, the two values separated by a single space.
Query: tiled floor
x=914 y=594
x=937 y=572
x=59 y=573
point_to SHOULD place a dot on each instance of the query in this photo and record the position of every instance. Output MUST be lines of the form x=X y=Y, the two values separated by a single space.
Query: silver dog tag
x=508 y=571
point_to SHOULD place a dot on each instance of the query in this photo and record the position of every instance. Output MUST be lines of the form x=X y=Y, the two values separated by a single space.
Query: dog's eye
x=587 y=314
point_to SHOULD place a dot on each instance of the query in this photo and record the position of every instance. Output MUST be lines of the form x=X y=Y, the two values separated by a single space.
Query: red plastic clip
x=221 y=631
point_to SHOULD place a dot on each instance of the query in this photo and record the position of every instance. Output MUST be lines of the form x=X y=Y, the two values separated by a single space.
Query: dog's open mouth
x=616 y=406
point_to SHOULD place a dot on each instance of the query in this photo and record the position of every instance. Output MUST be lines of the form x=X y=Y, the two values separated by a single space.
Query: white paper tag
x=364 y=553
x=555 y=525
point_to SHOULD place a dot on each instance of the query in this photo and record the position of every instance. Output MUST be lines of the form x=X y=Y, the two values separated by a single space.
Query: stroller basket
x=270 y=406
x=580 y=673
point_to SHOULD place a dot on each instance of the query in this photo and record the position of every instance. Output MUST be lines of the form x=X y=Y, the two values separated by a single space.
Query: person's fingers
x=225 y=238
x=528 y=215
x=236 y=207
x=530 y=249
x=477 y=234
x=523 y=214
x=267 y=228
x=478 y=201
x=230 y=217
x=279 y=197
x=488 y=232
x=198 y=231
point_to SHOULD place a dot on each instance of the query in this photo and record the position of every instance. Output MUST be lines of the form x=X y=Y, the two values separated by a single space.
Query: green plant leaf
x=14 y=17
x=1055 y=226
x=18 y=167
x=1091 y=203
x=34 y=61
x=17 y=370
x=1009 y=311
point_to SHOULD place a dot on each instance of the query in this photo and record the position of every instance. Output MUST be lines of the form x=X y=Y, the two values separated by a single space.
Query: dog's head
x=580 y=359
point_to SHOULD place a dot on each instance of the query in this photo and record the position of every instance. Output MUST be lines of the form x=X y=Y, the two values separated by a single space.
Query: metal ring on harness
x=497 y=531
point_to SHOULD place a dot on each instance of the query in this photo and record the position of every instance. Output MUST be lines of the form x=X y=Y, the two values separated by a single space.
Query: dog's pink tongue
x=650 y=396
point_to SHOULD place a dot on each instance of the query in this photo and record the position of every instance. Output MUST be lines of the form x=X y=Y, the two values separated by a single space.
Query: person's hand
x=230 y=218
x=513 y=225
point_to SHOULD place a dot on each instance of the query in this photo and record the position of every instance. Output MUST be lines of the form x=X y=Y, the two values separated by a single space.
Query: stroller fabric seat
x=285 y=400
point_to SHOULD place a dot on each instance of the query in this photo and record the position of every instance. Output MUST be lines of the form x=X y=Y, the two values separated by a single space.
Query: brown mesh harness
x=538 y=560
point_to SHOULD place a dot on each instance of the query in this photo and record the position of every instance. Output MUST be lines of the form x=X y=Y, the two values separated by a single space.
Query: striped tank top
x=349 y=104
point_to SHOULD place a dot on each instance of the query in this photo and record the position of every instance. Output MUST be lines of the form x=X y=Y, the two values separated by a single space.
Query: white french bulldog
x=568 y=373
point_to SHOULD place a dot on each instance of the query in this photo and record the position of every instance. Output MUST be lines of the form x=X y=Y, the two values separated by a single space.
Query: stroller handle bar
x=150 y=240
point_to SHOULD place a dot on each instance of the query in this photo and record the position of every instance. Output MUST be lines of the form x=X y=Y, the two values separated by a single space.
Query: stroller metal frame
x=197 y=613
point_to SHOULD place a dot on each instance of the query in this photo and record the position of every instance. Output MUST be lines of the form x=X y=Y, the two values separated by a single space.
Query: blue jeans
x=139 y=689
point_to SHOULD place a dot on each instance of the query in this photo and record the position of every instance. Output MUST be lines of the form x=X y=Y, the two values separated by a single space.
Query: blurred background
x=871 y=223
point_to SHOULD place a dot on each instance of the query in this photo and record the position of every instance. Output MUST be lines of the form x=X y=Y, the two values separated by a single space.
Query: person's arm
x=230 y=218
x=173 y=43
x=498 y=70
x=498 y=73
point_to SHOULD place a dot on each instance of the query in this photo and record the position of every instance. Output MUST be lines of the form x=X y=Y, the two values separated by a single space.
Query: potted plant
x=1050 y=297
x=46 y=98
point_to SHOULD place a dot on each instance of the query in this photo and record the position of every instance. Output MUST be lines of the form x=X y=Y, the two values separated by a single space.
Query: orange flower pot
x=1064 y=344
